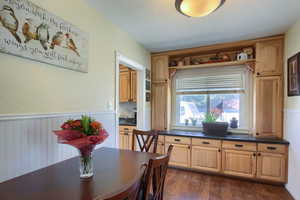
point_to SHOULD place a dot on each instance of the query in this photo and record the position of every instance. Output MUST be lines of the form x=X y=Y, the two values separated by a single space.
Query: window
x=198 y=92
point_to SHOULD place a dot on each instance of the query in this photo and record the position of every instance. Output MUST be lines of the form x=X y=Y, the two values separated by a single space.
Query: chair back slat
x=155 y=176
x=145 y=140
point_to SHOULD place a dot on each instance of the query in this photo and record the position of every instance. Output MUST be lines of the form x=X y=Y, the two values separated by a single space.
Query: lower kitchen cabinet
x=239 y=163
x=271 y=166
x=125 y=141
x=257 y=161
x=181 y=155
x=206 y=158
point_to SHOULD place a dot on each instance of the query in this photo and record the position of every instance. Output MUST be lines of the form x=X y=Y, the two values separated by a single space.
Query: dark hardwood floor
x=186 y=185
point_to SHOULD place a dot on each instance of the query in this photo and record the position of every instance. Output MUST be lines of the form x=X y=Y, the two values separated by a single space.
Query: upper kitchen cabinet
x=160 y=70
x=268 y=109
x=127 y=84
x=160 y=106
x=133 y=88
x=269 y=57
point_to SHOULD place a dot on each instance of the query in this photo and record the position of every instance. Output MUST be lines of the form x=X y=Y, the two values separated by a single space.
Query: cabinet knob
x=189 y=147
x=254 y=154
x=257 y=133
x=259 y=154
x=219 y=150
x=257 y=73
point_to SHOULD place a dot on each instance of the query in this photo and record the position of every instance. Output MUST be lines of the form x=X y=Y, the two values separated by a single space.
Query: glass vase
x=86 y=165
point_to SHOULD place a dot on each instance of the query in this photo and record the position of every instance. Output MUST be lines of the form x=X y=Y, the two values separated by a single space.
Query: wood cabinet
x=271 y=166
x=206 y=158
x=125 y=137
x=127 y=85
x=269 y=58
x=268 y=106
x=160 y=70
x=124 y=87
x=256 y=161
x=133 y=86
x=239 y=163
x=160 y=106
x=181 y=155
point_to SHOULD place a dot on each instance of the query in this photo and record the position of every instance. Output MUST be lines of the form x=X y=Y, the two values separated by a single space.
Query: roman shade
x=220 y=80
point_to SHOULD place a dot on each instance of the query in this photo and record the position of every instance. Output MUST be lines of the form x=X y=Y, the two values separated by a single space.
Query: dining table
x=114 y=171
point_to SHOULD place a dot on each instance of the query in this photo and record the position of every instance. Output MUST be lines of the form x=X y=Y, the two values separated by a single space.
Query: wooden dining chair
x=154 y=181
x=133 y=190
x=147 y=140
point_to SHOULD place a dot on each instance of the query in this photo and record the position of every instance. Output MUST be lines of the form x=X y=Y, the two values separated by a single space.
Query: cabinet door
x=124 y=86
x=271 y=167
x=160 y=70
x=206 y=158
x=159 y=106
x=125 y=141
x=133 y=88
x=268 y=113
x=180 y=156
x=239 y=163
x=269 y=58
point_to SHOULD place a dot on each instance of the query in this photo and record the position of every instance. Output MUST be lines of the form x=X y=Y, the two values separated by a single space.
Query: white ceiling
x=158 y=26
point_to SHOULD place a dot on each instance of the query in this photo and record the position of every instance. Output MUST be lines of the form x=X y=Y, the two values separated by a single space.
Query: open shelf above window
x=216 y=64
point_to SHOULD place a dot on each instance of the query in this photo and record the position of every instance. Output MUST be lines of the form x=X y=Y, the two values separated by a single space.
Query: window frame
x=246 y=112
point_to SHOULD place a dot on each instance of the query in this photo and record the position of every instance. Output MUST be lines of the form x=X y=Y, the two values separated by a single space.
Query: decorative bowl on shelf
x=215 y=128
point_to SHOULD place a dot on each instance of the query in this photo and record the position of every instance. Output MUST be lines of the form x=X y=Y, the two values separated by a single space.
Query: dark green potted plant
x=212 y=127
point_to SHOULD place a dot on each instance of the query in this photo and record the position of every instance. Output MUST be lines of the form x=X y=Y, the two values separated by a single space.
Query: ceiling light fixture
x=197 y=8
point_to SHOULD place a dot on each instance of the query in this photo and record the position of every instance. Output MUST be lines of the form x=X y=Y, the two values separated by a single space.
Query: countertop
x=231 y=137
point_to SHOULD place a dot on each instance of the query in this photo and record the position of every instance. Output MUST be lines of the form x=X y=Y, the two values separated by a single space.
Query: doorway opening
x=129 y=95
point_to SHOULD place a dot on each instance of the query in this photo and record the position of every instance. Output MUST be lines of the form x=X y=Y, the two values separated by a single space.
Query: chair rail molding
x=27 y=142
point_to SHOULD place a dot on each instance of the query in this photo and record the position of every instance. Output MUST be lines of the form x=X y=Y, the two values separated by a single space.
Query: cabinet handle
x=127 y=129
x=126 y=133
x=177 y=140
x=205 y=143
x=238 y=145
x=271 y=148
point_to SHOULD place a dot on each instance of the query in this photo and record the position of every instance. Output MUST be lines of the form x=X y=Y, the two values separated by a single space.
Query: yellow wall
x=292 y=116
x=31 y=87
x=292 y=46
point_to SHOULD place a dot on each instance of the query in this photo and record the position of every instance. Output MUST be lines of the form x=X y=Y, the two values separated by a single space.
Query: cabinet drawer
x=246 y=146
x=178 y=140
x=272 y=148
x=127 y=128
x=206 y=142
x=161 y=139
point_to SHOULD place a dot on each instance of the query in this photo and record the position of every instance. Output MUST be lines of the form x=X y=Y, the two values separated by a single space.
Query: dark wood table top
x=114 y=170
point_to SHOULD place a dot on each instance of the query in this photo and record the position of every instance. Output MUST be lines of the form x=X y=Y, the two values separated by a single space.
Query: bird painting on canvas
x=34 y=32
x=9 y=21
x=65 y=41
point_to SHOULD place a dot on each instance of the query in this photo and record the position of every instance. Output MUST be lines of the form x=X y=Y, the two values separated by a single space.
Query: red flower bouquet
x=83 y=134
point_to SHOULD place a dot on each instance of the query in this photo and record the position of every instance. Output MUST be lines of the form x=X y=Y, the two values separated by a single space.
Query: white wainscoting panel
x=292 y=134
x=27 y=142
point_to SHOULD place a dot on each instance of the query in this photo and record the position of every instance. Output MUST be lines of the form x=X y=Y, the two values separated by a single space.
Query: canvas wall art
x=31 y=32
x=294 y=75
